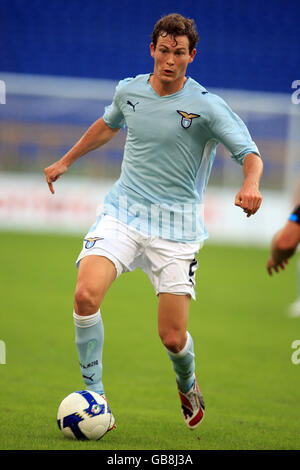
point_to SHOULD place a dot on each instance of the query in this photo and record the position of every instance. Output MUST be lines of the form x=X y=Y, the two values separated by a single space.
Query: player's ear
x=192 y=55
x=152 y=49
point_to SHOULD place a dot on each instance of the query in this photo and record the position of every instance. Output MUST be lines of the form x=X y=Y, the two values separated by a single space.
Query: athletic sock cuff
x=85 y=321
x=185 y=349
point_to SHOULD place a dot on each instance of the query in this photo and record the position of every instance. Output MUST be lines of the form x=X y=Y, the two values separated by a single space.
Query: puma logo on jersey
x=186 y=118
x=132 y=105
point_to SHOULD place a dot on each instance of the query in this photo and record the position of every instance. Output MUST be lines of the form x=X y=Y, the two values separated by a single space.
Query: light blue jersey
x=169 y=151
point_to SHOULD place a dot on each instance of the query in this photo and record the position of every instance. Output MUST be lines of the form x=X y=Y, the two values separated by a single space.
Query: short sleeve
x=228 y=128
x=113 y=115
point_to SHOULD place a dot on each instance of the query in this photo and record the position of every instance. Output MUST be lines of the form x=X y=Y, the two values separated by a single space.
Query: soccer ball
x=84 y=415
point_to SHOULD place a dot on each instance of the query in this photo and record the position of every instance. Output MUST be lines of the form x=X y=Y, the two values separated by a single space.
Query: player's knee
x=86 y=301
x=172 y=340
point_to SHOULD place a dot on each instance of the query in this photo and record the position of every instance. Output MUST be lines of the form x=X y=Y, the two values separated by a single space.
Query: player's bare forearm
x=249 y=197
x=97 y=135
x=279 y=257
x=283 y=246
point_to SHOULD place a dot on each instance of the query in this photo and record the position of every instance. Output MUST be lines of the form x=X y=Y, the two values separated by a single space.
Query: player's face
x=171 y=58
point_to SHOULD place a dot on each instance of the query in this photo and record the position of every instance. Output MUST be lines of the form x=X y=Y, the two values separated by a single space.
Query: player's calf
x=89 y=338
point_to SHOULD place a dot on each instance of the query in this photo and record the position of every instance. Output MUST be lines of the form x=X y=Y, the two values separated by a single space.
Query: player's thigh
x=171 y=266
x=95 y=276
x=173 y=312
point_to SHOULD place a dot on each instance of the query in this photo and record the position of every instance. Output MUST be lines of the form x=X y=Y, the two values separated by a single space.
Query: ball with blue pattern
x=84 y=415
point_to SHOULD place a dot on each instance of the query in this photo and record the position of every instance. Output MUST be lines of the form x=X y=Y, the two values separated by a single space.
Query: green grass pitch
x=242 y=338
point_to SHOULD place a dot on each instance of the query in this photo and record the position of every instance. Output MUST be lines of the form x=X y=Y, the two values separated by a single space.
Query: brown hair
x=176 y=25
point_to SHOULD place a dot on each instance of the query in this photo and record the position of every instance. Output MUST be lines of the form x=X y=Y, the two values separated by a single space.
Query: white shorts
x=170 y=266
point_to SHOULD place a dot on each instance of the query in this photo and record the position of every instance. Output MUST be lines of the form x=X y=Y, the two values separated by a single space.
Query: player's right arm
x=97 y=135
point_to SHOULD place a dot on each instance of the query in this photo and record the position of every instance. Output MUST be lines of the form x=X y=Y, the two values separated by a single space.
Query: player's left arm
x=249 y=197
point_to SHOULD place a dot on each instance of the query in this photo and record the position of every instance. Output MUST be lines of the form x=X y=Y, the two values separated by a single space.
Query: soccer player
x=294 y=307
x=153 y=214
x=283 y=246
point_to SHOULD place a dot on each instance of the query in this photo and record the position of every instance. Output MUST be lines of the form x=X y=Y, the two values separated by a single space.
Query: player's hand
x=273 y=266
x=53 y=172
x=249 y=199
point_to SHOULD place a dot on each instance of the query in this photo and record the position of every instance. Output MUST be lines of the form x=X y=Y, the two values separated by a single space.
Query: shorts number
x=193 y=268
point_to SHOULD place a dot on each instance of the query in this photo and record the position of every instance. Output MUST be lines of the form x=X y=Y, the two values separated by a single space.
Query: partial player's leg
x=108 y=251
x=172 y=327
x=95 y=275
x=173 y=313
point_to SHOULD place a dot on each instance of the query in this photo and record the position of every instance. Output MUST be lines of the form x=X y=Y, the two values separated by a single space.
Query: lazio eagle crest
x=90 y=242
x=186 y=118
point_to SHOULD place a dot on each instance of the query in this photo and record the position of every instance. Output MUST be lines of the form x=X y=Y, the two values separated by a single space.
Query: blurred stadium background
x=60 y=62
